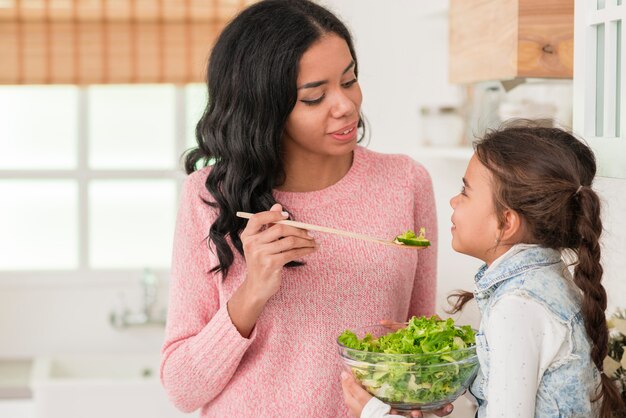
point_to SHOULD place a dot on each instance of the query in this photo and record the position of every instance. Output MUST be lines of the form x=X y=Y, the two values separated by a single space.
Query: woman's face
x=325 y=117
x=475 y=226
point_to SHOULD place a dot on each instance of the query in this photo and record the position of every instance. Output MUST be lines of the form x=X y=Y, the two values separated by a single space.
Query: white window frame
x=610 y=148
x=83 y=175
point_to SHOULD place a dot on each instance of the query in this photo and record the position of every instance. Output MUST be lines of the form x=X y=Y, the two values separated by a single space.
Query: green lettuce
x=438 y=365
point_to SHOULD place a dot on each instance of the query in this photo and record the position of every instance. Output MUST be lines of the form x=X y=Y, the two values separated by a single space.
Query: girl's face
x=475 y=226
x=325 y=117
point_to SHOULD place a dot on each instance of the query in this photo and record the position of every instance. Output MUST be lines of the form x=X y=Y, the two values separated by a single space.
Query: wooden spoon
x=349 y=234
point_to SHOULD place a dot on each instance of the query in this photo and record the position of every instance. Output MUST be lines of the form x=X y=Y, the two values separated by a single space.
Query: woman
x=255 y=308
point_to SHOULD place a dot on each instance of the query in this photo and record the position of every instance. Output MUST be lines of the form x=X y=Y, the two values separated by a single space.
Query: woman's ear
x=512 y=228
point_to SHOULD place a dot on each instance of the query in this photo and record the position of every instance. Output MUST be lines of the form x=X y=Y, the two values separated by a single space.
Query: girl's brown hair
x=545 y=175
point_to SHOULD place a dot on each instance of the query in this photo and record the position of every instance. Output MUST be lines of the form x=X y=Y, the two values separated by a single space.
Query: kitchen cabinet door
x=507 y=39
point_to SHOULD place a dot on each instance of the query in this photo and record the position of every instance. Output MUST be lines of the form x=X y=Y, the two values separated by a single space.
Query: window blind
x=109 y=41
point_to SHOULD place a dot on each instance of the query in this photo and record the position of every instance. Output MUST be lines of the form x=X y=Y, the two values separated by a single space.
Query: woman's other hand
x=356 y=397
x=353 y=394
x=267 y=247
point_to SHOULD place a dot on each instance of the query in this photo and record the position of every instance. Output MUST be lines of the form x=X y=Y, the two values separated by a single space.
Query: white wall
x=613 y=194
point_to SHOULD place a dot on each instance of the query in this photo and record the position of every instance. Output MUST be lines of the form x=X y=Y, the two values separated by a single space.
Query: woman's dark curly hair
x=252 y=89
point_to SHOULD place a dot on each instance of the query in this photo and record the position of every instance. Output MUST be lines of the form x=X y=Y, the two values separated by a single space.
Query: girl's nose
x=453 y=201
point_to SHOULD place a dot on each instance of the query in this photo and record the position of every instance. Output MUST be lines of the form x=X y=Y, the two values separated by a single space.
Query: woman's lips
x=347 y=133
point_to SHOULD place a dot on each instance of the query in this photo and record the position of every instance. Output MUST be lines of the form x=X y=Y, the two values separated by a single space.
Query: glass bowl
x=411 y=381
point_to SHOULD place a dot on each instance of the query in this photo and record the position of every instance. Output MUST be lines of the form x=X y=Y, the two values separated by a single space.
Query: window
x=89 y=176
x=598 y=81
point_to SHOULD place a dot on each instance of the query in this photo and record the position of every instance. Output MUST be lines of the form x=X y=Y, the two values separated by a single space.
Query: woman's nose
x=342 y=106
x=453 y=201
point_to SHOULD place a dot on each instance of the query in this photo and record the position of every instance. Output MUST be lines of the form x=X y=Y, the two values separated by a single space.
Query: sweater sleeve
x=523 y=341
x=425 y=285
x=202 y=347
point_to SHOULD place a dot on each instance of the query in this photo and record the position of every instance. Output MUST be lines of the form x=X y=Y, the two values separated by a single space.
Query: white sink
x=100 y=386
x=15 y=377
x=102 y=367
x=120 y=386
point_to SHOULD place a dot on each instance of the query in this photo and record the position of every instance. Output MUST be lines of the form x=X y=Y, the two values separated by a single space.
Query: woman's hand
x=267 y=247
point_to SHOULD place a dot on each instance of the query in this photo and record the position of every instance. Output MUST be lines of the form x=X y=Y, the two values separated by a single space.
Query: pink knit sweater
x=290 y=366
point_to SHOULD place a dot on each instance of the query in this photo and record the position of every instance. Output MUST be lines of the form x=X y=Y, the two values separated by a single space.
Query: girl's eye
x=349 y=83
x=463 y=191
x=313 y=102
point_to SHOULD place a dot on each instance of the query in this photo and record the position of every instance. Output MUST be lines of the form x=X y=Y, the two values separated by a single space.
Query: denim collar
x=518 y=259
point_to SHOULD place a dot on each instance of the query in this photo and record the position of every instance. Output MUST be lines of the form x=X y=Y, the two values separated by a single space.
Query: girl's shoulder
x=550 y=286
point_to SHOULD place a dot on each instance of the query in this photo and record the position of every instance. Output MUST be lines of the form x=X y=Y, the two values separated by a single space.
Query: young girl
x=525 y=205
x=255 y=307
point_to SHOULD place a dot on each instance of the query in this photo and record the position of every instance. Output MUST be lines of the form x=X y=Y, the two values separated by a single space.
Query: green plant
x=616 y=360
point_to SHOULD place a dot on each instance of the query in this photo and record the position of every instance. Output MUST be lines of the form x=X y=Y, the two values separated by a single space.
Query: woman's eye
x=349 y=83
x=463 y=191
x=313 y=101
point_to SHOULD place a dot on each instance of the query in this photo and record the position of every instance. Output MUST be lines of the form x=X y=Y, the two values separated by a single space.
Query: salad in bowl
x=425 y=365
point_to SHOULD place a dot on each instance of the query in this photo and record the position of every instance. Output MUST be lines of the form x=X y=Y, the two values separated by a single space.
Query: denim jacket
x=568 y=386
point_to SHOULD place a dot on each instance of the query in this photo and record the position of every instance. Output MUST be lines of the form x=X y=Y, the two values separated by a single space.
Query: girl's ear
x=511 y=231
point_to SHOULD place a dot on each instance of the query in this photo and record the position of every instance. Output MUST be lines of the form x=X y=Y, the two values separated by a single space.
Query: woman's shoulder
x=199 y=175
x=194 y=189
x=399 y=166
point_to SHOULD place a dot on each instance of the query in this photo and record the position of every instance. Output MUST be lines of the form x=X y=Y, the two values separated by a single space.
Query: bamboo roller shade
x=109 y=41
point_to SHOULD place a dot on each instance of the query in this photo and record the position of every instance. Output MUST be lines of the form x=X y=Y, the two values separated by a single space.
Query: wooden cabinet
x=505 y=39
